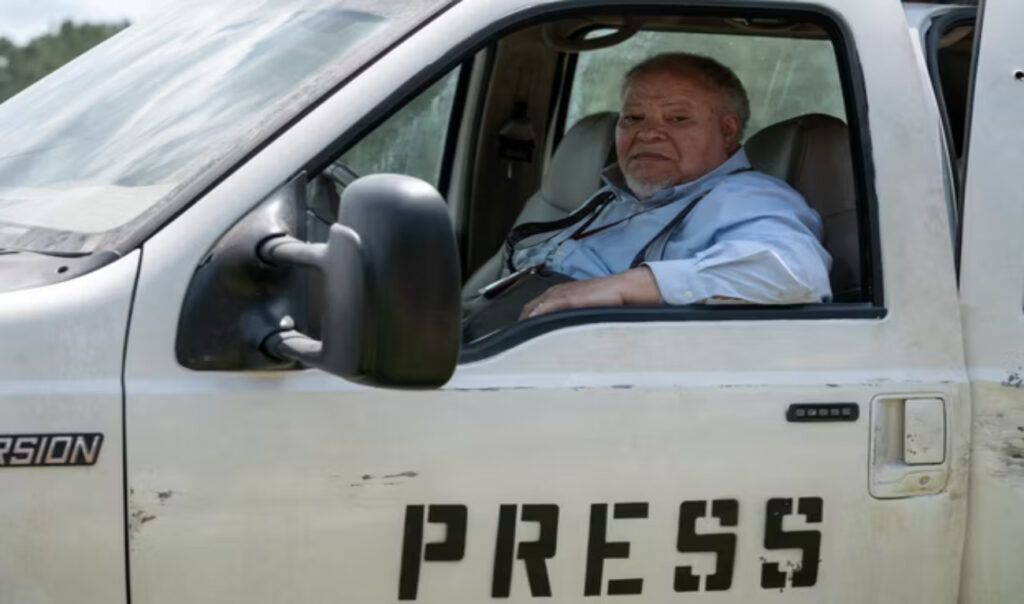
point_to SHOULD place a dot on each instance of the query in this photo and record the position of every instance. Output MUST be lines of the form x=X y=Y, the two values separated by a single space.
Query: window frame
x=854 y=95
x=871 y=278
x=953 y=17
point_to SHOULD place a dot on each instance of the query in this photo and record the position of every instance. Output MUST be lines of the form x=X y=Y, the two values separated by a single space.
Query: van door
x=751 y=455
x=992 y=302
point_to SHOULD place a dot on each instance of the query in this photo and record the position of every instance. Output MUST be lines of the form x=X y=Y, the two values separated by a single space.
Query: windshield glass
x=152 y=114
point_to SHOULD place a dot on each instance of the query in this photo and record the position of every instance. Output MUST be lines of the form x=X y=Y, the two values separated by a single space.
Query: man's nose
x=650 y=131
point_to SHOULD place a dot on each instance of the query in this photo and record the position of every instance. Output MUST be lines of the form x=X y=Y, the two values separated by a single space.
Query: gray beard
x=645 y=190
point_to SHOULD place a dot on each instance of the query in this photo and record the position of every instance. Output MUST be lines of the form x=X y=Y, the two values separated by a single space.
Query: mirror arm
x=284 y=250
x=293 y=345
x=329 y=259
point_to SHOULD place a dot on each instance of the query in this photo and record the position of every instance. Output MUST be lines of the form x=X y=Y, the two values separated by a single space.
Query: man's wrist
x=639 y=287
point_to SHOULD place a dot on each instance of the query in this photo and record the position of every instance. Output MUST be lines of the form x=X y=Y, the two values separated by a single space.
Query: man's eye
x=629 y=119
x=678 y=119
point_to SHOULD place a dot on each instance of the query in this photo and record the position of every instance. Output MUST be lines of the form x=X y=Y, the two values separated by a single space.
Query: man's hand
x=635 y=286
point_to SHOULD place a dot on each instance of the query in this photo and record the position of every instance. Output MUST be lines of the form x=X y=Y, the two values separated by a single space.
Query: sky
x=22 y=20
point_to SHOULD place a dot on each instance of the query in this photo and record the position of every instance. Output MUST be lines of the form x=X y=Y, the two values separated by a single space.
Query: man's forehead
x=668 y=101
x=669 y=87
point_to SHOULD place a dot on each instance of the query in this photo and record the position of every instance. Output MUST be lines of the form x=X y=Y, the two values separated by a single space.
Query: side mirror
x=389 y=304
x=391 y=309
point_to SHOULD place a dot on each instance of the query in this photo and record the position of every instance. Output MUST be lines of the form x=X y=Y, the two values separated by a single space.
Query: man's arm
x=764 y=250
x=762 y=267
x=635 y=286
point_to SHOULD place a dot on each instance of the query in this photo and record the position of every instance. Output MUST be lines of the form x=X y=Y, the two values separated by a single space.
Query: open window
x=536 y=106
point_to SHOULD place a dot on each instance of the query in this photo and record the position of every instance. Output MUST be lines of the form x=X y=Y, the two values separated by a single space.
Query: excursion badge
x=29 y=450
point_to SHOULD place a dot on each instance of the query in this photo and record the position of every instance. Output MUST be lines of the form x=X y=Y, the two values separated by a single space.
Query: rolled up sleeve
x=773 y=259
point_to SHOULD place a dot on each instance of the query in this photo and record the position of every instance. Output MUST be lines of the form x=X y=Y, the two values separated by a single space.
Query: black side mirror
x=391 y=310
x=390 y=307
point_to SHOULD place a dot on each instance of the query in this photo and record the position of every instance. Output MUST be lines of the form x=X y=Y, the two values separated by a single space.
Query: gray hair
x=686 y=64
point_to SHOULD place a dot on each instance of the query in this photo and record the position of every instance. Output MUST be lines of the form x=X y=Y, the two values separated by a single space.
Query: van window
x=784 y=77
x=412 y=141
x=803 y=105
x=103 y=151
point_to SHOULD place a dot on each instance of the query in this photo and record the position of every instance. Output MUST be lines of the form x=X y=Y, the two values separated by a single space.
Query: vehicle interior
x=522 y=127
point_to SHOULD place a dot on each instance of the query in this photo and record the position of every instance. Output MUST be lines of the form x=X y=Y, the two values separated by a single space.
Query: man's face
x=672 y=129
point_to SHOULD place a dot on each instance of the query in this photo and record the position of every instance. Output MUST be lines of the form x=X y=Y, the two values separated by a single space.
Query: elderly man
x=683 y=218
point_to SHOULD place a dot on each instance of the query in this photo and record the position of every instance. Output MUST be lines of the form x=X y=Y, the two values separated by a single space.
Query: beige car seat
x=572 y=177
x=811 y=152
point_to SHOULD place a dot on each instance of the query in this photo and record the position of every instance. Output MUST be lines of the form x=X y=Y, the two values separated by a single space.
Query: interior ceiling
x=565 y=33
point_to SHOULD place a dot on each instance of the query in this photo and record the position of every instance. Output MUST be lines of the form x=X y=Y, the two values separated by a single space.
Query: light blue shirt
x=752 y=237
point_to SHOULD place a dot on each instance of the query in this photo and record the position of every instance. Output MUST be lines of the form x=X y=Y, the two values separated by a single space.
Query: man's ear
x=730 y=124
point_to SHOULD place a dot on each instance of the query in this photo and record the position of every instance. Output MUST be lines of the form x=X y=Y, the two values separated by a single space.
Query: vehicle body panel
x=296 y=485
x=60 y=373
x=991 y=298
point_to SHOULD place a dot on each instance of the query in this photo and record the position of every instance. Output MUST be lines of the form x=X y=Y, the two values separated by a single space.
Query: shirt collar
x=613 y=177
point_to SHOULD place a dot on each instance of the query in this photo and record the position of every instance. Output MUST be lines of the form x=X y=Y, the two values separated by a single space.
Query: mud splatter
x=401 y=475
x=384 y=479
x=1014 y=379
x=136 y=519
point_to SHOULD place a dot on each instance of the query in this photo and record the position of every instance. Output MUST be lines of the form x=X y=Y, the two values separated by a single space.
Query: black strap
x=676 y=221
x=529 y=229
x=595 y=206
x=672 y=224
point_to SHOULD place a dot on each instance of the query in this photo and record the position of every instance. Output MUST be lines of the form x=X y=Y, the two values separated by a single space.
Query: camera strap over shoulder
x=529 y=229
x=592 y=208
x=661 y=239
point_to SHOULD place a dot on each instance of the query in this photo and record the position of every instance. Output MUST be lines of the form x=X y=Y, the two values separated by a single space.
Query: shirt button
x=688 y=295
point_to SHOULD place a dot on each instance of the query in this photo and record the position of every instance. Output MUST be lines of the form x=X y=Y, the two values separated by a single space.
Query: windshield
x=152 y=115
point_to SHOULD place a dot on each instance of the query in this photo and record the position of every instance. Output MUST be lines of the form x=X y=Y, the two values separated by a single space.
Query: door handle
x=908 y=445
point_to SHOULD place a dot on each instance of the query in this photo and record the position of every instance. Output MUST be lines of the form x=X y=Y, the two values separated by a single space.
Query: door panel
x=992 y=270
x=671 y=437
x=313 y=502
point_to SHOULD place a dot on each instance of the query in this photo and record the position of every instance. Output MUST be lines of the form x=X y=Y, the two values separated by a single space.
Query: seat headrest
x=575 y=170
x=812 y=153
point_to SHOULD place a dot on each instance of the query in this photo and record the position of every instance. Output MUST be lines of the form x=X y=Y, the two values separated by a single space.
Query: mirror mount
x=235 y=298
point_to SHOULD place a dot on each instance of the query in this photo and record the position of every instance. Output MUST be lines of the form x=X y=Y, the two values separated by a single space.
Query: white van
x=190 y=264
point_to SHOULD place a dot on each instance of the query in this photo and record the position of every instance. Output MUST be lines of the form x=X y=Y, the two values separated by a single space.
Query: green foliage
x=21 y=66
